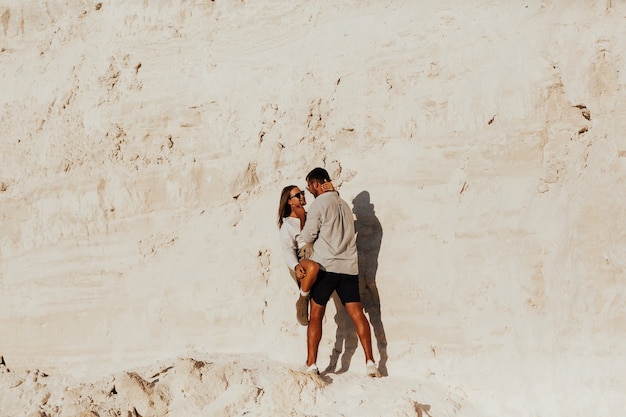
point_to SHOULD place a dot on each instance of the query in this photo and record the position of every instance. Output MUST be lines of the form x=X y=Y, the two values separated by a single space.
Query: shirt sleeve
x=311 y=229
x=289 y=246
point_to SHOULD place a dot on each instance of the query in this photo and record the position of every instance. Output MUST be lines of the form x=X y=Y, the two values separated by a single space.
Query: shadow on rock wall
x=369 y=237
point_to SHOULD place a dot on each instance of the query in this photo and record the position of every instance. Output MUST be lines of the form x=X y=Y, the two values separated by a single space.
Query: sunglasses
x=297 y=195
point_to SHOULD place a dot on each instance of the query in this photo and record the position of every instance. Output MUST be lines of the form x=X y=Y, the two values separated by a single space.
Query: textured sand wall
x=144 y=147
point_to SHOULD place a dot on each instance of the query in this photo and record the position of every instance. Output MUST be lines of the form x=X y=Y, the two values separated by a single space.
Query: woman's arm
x=289 y=246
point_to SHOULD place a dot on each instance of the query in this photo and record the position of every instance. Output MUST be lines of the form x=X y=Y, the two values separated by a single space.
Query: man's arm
x=312 y=225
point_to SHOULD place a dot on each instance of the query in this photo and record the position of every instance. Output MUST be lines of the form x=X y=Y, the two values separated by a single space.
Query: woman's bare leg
x=311 y=268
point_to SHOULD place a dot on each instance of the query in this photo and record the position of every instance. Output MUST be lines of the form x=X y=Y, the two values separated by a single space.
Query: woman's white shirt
x=291 y=240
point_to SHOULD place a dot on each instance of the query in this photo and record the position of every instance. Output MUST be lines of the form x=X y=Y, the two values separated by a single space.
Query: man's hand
x=300 y=272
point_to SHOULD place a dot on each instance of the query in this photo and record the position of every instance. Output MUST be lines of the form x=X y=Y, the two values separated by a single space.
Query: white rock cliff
x=143 y=148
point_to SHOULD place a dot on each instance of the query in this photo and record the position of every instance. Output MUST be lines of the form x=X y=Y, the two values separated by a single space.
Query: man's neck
x=324 y=192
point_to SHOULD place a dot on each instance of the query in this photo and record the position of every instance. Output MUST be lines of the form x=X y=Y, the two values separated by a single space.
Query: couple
x=331 y=263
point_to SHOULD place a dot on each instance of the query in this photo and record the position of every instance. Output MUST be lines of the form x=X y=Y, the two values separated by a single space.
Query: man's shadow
x=368 y=240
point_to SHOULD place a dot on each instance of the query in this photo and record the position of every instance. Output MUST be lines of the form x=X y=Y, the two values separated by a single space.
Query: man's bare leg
x=355 y=310
x=314 y=332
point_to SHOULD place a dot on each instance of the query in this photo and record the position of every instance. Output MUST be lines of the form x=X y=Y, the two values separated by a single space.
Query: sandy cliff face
x=482 y=146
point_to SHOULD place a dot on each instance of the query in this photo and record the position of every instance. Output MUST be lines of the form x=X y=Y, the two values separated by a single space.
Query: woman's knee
x=312 y=268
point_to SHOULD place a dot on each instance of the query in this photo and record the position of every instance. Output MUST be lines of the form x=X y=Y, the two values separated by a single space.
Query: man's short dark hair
x=318 y=174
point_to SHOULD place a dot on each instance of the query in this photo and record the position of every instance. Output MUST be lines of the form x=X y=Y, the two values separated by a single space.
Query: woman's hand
x=328 y=186
x=300 y=272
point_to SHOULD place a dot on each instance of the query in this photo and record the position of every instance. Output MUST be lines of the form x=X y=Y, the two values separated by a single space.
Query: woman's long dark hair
x=284 y=209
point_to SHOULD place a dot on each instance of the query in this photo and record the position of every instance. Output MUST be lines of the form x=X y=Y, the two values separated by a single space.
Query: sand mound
x=220 y=386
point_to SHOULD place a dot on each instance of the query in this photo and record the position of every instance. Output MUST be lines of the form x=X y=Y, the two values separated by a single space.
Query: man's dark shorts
x=347 y=287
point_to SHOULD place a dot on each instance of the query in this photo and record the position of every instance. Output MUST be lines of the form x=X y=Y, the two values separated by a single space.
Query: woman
x=291 y=218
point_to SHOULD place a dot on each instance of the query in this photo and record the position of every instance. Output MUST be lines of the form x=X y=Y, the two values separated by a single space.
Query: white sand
x=143 y=148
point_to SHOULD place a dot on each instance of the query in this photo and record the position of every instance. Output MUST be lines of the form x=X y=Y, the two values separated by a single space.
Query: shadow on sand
x=369 y=237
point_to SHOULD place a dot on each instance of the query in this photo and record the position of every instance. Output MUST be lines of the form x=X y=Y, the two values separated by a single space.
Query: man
x=330 y=226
